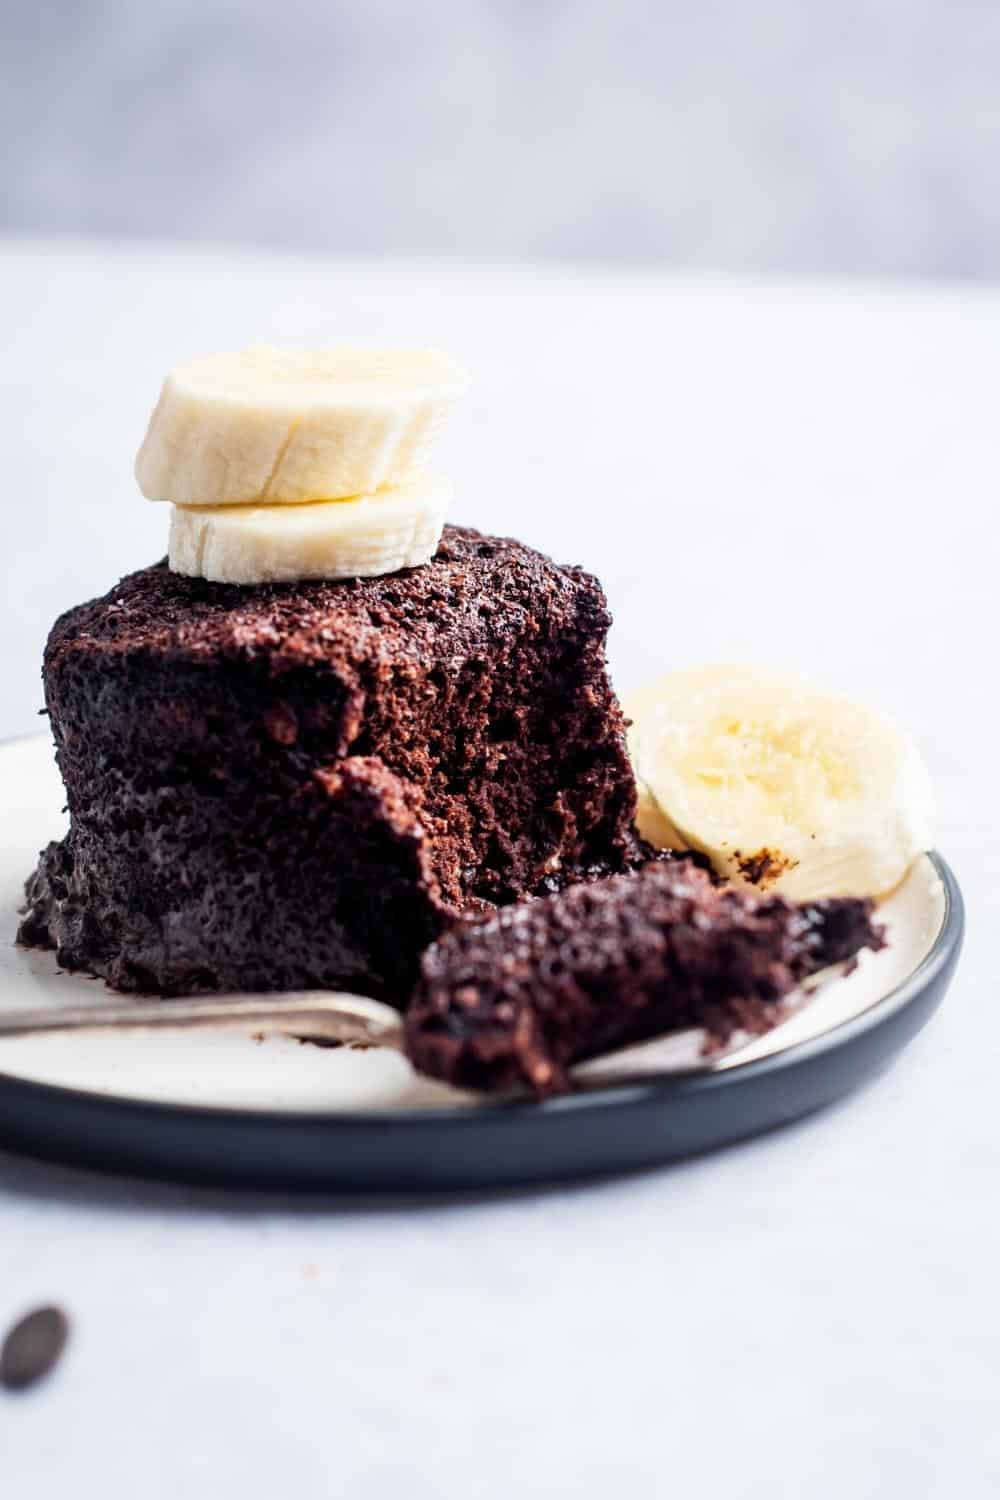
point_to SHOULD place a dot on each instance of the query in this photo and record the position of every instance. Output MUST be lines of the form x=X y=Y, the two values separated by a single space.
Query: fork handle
x=336 y=1019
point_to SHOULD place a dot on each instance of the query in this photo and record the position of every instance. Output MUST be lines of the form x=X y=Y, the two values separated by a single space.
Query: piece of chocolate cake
x=515 y=998
x=296 y=785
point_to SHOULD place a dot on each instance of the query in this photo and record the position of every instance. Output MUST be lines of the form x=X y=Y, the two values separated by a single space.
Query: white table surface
x=798 y=472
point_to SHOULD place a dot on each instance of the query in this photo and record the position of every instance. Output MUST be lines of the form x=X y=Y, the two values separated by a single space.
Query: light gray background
x=850 y=135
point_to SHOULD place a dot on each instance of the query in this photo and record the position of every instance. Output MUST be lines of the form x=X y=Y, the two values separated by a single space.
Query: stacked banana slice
x=782 y=786
x=286 y=465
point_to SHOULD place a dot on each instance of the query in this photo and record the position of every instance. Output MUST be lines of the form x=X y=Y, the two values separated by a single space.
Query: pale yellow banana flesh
x=271 y=426
x=781 y=785
x=398 y=527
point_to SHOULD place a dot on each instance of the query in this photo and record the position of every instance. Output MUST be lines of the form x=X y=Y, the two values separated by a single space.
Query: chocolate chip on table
x=32 y=1348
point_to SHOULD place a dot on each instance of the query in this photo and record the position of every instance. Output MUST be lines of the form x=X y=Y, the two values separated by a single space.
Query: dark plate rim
x=648 y=1089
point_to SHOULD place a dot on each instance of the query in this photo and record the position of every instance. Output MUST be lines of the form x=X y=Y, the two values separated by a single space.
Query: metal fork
x=328 y=1015
x=321 y=1015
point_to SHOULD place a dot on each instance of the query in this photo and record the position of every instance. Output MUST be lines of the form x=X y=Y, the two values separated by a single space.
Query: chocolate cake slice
x=297 y=785
x=515 y=998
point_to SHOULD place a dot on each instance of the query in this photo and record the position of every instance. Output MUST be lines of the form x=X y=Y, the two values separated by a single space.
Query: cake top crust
x=475 y=590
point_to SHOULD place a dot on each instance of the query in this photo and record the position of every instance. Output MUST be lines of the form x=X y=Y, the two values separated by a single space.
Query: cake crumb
x=765 y=867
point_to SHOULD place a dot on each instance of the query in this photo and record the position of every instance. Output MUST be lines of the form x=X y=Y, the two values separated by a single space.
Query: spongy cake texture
x=296 y=785
x=514 y=998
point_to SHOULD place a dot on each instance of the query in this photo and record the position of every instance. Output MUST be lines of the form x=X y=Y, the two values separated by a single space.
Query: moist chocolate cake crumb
x=764 y=867
x=297 y=785
x=514 y=998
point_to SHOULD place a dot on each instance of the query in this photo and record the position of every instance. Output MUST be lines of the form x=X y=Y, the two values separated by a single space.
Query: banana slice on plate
x=282 y=426
x=398 y=527
x=783 y=786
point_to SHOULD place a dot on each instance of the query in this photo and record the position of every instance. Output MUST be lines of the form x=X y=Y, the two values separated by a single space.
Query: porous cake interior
x=292 y=785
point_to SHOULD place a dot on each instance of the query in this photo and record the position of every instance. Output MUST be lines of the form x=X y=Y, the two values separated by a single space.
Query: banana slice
x=363 y=538
x=781 y=785
x=274 y=426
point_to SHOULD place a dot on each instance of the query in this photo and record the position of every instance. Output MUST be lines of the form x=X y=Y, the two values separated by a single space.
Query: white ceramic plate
x=272 y=1076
